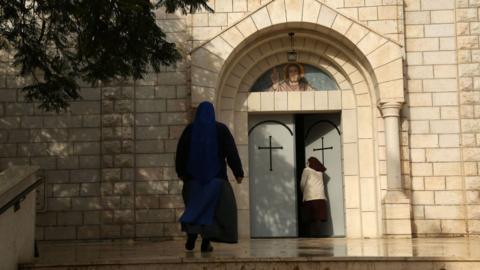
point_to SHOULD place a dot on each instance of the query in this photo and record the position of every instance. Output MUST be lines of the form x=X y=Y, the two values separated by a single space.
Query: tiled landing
x=260 y=254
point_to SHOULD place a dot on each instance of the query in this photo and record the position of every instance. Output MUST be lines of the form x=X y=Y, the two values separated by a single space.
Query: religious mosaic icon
x=294 y=77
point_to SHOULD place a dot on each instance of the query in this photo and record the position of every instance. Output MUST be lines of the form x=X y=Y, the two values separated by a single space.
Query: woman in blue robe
x=203 y=151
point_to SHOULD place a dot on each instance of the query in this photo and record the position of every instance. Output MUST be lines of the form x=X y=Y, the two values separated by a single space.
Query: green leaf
x=60 y=43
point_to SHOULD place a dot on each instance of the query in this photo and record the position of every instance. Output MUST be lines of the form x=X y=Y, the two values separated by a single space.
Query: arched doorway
x=225 y=68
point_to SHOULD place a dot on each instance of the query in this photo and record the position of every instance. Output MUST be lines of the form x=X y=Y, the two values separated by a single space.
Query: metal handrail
x=15 y=202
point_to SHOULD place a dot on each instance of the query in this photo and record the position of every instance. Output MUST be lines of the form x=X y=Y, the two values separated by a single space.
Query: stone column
x=396 y=205
x=391 y=114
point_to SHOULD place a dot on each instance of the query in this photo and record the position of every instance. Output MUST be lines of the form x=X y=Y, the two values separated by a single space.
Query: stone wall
x=433 y=111
x=385 y=16
x=468 y=55
x=108 y=162
x=65 y=146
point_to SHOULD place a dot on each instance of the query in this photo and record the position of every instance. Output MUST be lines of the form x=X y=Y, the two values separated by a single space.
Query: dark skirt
x=314 y=211
x=224 y=228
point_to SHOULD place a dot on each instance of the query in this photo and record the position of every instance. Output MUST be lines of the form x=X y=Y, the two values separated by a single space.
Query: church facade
x=386 y=93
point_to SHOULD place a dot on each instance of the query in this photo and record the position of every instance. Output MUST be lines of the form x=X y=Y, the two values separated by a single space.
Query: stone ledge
x=384 y=263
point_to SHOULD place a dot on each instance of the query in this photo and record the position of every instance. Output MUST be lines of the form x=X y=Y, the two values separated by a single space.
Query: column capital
x=390 y=108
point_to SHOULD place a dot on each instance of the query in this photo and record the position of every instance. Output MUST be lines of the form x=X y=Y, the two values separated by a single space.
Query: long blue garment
x=203 y=165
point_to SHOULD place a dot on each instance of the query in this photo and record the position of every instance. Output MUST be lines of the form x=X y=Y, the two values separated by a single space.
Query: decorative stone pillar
x=396 y=205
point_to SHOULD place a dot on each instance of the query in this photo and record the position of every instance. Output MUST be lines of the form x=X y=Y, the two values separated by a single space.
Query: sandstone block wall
x=468 y=55
x=434 y=120
x=108 y=162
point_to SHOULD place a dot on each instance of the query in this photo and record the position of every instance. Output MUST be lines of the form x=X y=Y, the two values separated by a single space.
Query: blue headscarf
x=203 y=164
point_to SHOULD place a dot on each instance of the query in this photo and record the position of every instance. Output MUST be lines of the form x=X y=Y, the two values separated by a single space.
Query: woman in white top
x=314 y=206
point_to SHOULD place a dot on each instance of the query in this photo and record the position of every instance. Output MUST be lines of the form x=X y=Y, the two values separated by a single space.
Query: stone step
x=263 y=254
x=272 y=263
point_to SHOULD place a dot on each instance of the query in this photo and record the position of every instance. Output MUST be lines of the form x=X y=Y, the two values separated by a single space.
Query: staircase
x=278 y=254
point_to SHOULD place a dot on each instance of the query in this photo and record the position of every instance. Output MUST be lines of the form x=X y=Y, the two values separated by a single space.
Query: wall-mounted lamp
x=292 y=54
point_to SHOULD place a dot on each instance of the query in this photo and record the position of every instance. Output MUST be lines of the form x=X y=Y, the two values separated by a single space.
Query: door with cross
x=322 y=139
x=272 y=176
x=277 y=145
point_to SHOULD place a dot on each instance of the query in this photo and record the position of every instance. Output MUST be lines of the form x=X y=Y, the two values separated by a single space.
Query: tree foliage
x=59 y=43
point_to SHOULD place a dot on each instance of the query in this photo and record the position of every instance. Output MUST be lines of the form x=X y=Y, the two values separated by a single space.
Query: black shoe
x=190 y=244
x=206 y=246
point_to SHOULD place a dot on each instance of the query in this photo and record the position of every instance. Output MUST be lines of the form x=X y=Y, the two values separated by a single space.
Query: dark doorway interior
x=303 y=126
x=300 y=142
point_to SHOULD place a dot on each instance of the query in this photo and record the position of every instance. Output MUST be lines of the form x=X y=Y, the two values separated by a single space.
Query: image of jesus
x=294 y=79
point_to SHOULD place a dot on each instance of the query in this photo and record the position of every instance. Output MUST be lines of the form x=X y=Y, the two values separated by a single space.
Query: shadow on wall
x=108 y=161
x=162 y=112
x=67 y=148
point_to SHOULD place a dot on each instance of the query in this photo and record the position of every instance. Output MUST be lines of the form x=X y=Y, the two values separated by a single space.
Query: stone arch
x=242 y=79
x=353 y=102
x=353 y=53
x=312 y=43
x=378 y=54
